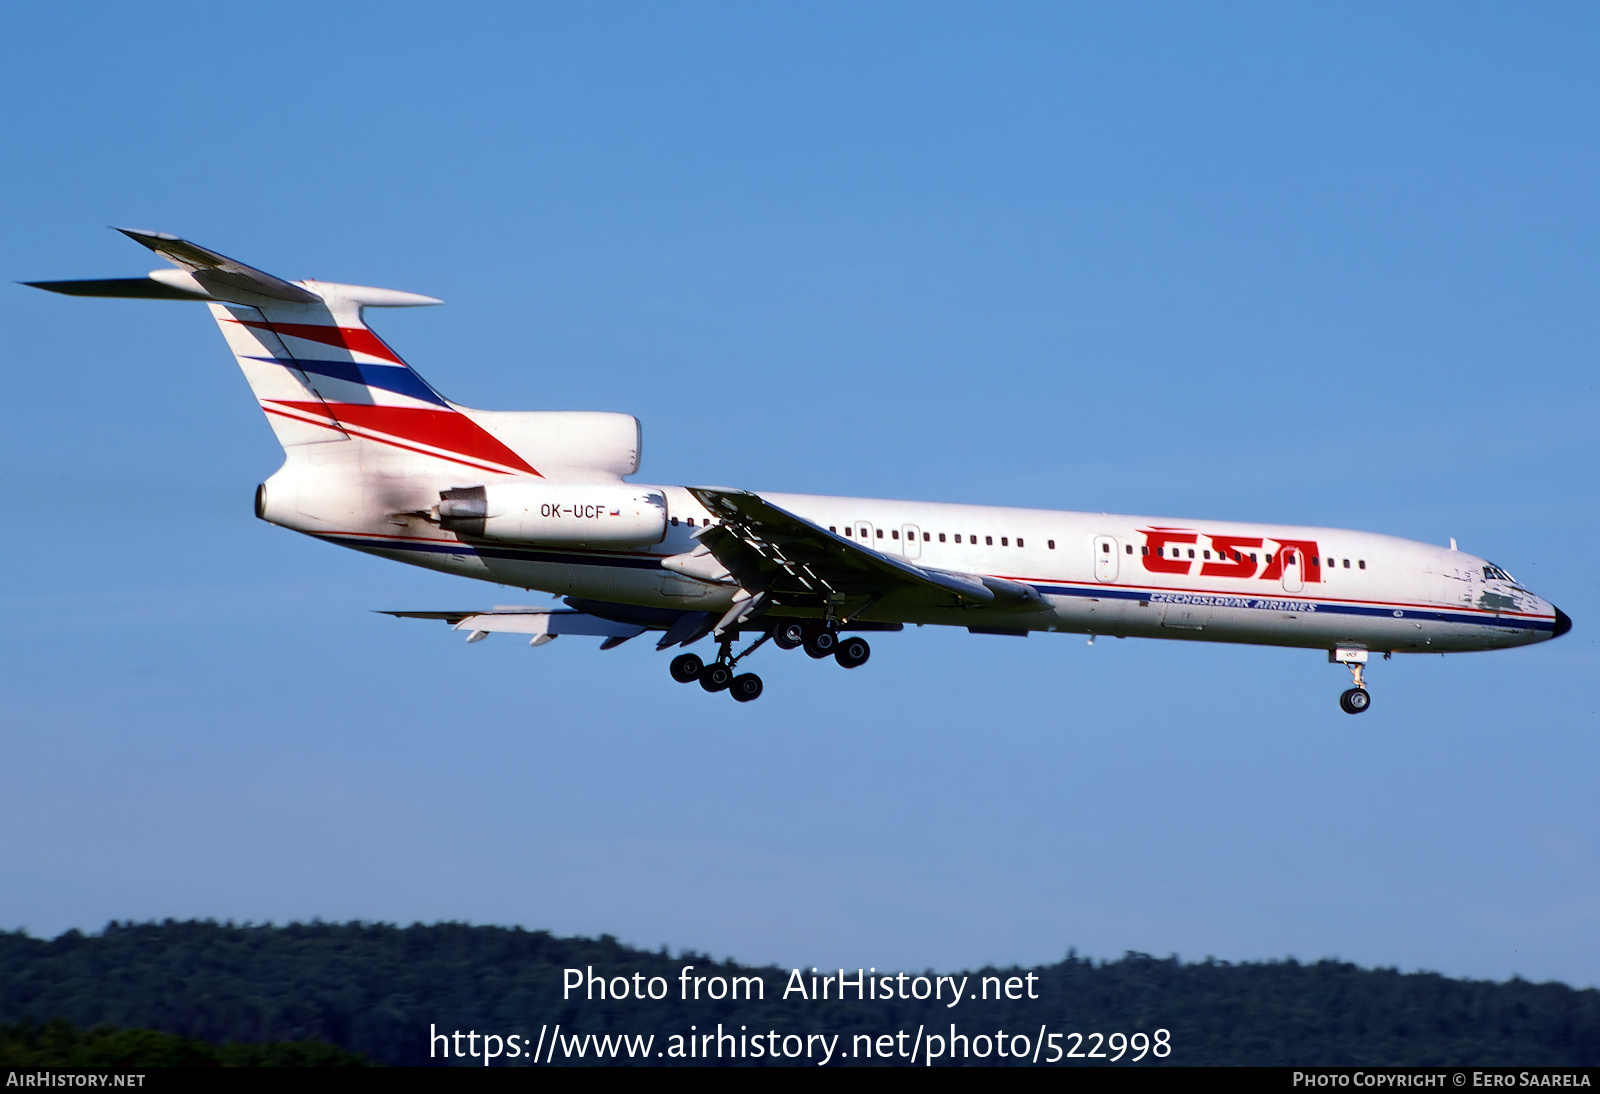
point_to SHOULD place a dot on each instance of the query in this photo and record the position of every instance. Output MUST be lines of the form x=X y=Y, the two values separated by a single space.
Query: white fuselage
x=1100 y=574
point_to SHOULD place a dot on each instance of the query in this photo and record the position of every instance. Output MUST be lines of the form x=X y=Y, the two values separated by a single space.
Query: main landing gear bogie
x=687 y=668
x=819 y=641
x=826 y=642
x=1355 y=701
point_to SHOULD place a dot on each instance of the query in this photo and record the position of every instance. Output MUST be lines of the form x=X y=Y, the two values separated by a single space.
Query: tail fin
x=318 y=371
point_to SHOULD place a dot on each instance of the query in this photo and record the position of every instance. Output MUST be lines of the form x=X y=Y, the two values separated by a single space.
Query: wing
x=787 y=559
x=540 y=624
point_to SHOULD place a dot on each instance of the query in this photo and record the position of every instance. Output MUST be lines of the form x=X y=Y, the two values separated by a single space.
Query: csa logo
x=1181 y=550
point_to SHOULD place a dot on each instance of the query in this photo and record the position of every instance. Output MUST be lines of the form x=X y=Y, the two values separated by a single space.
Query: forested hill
x=377 y=989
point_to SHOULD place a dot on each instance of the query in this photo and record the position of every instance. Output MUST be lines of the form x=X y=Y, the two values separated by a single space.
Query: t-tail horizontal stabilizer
x=203 y=274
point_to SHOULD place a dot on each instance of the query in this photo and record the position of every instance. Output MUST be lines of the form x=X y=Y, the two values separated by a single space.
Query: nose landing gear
x=1356 y=700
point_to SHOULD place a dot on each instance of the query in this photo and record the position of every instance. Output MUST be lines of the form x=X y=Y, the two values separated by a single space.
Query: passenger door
x=1105 y=558
x=1294 y=569
x=911 y=540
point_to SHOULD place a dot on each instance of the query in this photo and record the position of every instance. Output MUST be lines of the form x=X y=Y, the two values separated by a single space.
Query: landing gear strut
x=1356 y=700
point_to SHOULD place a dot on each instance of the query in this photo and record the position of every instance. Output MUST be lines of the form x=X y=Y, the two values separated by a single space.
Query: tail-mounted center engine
x=613 y=515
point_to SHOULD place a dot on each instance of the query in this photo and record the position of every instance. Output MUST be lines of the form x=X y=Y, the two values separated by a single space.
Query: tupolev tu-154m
x=377 y=460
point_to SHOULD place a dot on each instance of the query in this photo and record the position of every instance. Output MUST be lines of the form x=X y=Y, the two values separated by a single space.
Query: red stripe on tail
x=355 y=339
x=445 y=429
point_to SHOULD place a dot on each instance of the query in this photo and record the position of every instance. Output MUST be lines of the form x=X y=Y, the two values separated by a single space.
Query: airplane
x=377 y=460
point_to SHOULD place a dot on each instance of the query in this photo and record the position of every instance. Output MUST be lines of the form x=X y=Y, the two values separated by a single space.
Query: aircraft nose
x=1563 y=623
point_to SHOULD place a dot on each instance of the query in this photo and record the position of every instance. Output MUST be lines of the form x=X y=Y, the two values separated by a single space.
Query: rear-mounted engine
x=611 y=515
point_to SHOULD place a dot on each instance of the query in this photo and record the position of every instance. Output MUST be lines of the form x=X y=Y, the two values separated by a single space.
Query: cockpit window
x=1491 y=572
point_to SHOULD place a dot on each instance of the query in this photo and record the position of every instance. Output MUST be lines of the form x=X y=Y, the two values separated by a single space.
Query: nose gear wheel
x=1355 y=701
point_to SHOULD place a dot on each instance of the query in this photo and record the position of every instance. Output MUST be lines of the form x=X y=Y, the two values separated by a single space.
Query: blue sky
x=1312 y=264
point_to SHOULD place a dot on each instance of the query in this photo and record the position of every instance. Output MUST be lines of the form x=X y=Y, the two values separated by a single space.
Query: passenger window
x=927 y=537
x=1269 y=558
x=1205 y=554
x=1362 y=564
x=988 y=541
x=674 y=522
x=1051 y=544
x=1003 y=542
x=1128 y=548
x=1144 y=550
x=847 y=530
x=1315 y=560
x=831 y=528
x=1347 y=564
x=880 y=533
x=1191 y=552
x=958 y=537
x=1252 y=556
x=1105 y=548
x=941 y=537
x=894 y=534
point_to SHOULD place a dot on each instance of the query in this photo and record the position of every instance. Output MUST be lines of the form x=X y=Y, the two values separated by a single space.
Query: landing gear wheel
x=821 y=644
x=788 y=636
x=685 y=667
x=1355 y=701
x=852 y=652
x=745 y=688
x=716 y=677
